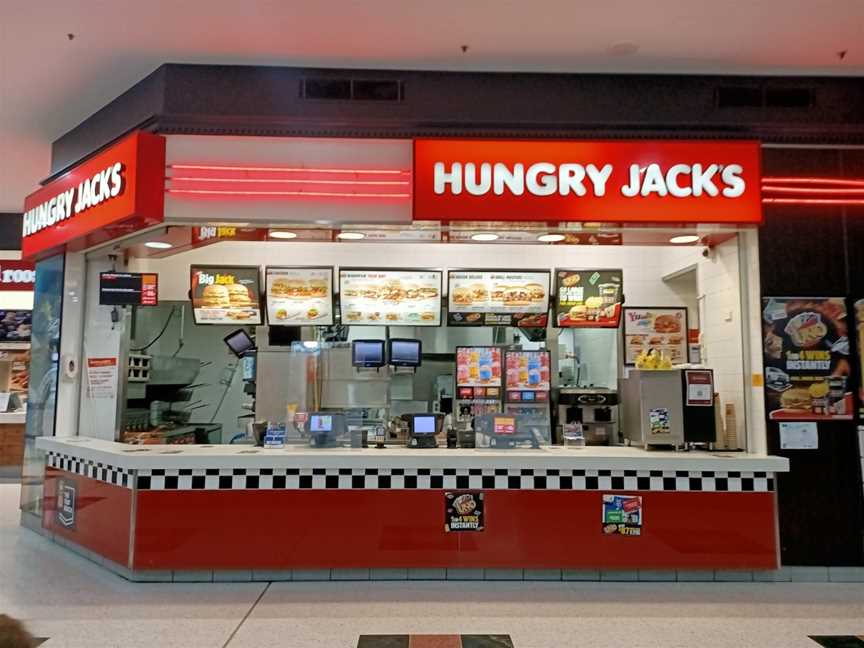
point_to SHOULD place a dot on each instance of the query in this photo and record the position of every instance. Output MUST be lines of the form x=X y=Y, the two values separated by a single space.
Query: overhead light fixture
x=484 y=236
x=686 y=238
x=282 y=234
x=551 y=238
x=158 y=245
x=351 y=236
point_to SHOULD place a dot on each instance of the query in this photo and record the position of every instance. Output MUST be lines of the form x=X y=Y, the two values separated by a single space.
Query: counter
x=12 y=442
x=239 y=507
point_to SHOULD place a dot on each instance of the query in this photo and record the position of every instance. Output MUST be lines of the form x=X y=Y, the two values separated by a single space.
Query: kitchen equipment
x=595 y=408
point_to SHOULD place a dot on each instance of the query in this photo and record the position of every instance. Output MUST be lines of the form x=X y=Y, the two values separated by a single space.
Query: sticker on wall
x=67 y=502
x=622 y=515
x=658 y=421
x=463 y=511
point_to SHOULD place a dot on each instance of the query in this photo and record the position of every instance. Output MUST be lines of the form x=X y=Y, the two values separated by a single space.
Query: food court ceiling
x=61 y=61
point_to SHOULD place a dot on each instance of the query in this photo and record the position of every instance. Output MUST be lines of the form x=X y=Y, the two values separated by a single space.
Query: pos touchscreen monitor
x=367 y=353
x=422 y=425
x=404 y=353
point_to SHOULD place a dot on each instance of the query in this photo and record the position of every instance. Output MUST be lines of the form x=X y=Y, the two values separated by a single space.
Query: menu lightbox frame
x=266 y=298
x=481 y=321
x=684 y=346
x=345 y=321
x=556 y=307
x=252 y=321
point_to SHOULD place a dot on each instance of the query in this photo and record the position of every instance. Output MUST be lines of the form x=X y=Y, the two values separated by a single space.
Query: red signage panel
x=118 y=191
x=17 y=275
x=610 y=181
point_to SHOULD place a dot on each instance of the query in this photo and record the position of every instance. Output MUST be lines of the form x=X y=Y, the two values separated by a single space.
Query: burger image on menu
x=225 y=294
x=588 y=298
x=498 y=297
x=394 y=297
x=299 y=296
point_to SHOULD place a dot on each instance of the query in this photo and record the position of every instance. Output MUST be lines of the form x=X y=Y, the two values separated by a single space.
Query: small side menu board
x=498 y=298
x=299 y=296
x=128 y=289
x=226 y=294
x=662 y=329
x=588 y=298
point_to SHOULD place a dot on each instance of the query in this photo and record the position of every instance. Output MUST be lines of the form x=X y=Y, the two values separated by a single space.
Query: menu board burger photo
x=806 y=352
x=226 y=294
x=299 y=296
x=588 y=298
x=662 y=329
x=390 y=297
x=498 y=298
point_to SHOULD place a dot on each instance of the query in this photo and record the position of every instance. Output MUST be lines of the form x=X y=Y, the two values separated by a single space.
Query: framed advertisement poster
x=527 y=370
x=663 y=329
x=299 y=296
x=588 y=298
x=226 y=294
x=404 y=297
x=805 y=343
x=498 y=298
x=858 y=308
x=478 y=366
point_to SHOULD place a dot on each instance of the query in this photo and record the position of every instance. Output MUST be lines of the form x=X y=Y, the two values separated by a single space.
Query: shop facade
x=193 y=209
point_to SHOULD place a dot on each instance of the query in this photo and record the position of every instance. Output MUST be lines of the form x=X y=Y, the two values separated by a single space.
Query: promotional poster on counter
x=299 y=296
x=463 y=511
x=226 y=295
x=858 y=307
x=806 y=352
x=661 y=329
x=588 y=298
x=622 y=515
x=498 y=298
x=390 y=297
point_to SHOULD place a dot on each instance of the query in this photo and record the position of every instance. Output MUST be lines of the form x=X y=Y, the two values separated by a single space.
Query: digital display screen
x=367 y=353
x=405 y=353
x=424 y=425
x=319 y=423
x=372 y=297
x=226 y=294
x=128 y=289
x=239 y=342
x=527 y=396
x=505 y=425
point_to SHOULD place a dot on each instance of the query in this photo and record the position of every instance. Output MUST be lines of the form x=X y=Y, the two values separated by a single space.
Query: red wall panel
x=102 y=517
x=399 y=528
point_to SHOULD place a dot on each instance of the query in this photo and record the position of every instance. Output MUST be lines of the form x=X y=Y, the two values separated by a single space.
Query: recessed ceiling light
x=282 y=234
x=484 y=236
x=686 y=238
x=351 y=236
x=551 y=238
x=158 y=245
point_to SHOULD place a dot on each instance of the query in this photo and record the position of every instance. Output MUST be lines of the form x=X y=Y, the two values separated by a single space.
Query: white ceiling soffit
x=62 y=61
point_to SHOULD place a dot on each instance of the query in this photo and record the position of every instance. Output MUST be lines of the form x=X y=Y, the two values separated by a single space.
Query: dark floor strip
x=404 y=641
x=838 y=641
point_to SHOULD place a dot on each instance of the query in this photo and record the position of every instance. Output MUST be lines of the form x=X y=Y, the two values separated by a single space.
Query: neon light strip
x=812 y=201
x=293 y=181
x=813 y=190
x=213 y=167
x=314 y=194
x=808 y=181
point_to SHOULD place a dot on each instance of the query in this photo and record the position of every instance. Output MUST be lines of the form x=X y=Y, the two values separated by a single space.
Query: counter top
x=617 y=458
x=13 y=418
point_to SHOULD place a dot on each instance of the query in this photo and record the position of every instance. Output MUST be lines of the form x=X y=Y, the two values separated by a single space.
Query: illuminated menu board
x=498 y=298
x=226 y=294
x=299 y=296
x=390 y=297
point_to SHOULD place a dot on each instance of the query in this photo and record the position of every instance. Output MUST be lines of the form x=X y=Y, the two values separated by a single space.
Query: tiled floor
x=78 y=604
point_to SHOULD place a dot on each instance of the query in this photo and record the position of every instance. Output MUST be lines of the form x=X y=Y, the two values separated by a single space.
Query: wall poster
x=588 y=298
x=622 y=515
x=661 y=329
x=805 y=342
x=463 y=511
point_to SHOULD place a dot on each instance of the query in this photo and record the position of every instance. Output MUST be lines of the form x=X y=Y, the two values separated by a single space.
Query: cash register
x=326 y=429
x=422 y=430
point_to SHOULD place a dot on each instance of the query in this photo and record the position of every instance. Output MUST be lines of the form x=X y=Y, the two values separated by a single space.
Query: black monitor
x=404 y=353
x=423 y=425
x=128 y=289
x=367 y=353
x=239 y=342
x=321 y=423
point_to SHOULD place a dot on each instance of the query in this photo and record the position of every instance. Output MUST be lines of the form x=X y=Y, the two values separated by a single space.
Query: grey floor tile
x=427 y=574
x=200 y=576
x=657 y=575
x=580 y=574
x=695 y=575
x=349 y=574
x=772 y=576
x=388 y=574
x=733 y=576
x=619 y=575
x=846 y=574
x=311 y=574
x=542 y=574
x=808 y=574
x=272 y=575
x=232 y=575
x=151 y=576
x=503 y=574
x=464 y=574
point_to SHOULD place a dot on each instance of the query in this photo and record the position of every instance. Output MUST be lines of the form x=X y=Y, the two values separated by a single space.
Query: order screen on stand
x=424 y=425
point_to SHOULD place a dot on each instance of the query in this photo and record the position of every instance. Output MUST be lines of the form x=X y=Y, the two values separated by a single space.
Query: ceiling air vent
x=739 y=97
x=352 y=90
x=789 y=98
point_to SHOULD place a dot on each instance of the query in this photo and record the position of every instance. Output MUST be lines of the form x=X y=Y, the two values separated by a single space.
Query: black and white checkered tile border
x=419 y=478
x=91 y=469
